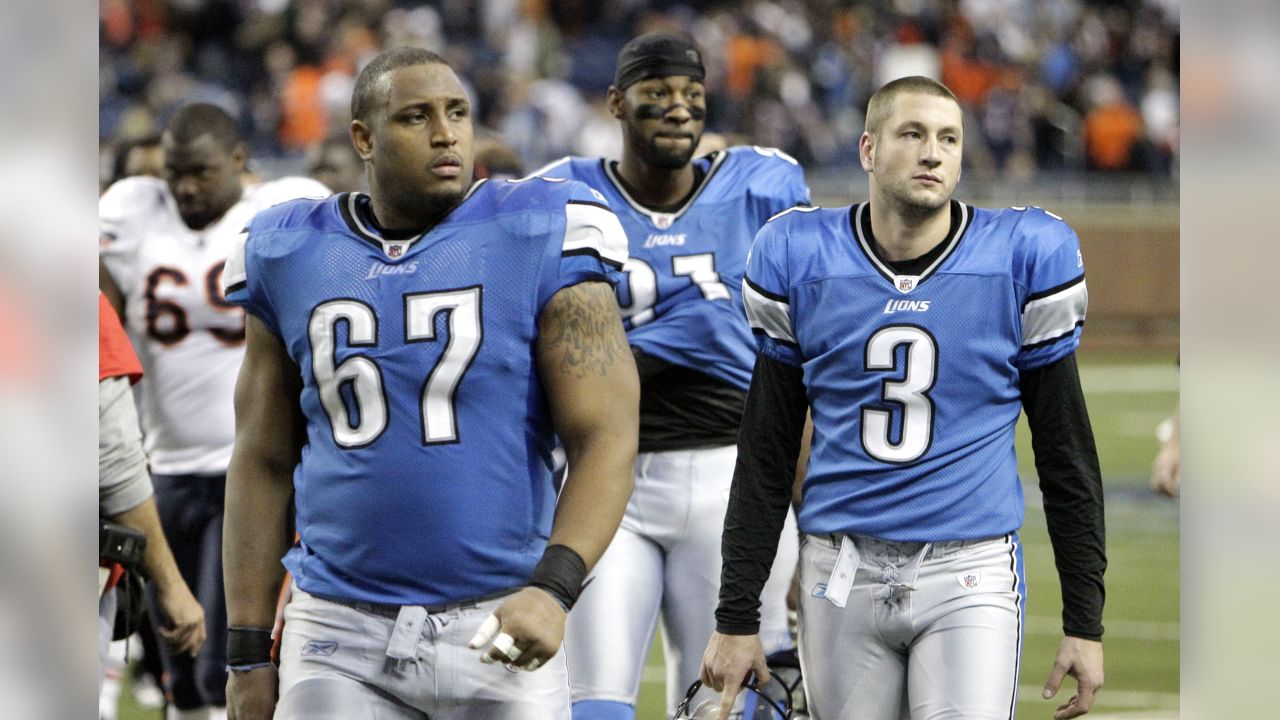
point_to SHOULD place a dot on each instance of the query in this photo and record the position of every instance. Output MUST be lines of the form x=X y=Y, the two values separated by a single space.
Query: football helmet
x=770 y=701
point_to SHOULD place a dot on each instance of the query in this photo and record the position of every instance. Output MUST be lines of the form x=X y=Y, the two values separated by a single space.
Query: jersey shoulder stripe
x=552 y=169
x=768 y=313
x=234 y=275
x=795 y=208
x=766 y=173
x=591 y=228
x=1055 y=314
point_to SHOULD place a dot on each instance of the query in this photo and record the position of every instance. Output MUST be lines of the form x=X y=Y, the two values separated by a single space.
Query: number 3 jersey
x=189 y=338
x=681 y=300
x=913 y=380
x=426 y=476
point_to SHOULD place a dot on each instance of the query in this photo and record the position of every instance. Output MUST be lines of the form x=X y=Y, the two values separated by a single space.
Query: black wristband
x=560 y=572
x=248 y=646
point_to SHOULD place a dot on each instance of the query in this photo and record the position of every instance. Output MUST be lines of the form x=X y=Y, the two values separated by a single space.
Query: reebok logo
x=894 y=306
x=319 y=647
x=665 y=240
x=377 y=269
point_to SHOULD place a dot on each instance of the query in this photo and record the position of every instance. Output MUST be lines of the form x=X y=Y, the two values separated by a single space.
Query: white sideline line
x=1129 y=378
x=1149 y=630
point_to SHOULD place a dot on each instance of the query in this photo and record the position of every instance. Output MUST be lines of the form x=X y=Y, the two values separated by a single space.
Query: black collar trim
x=353 y=207
x=860 y=223
x=657 y=217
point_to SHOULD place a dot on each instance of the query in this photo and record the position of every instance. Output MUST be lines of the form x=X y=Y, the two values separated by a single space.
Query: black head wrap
x=657 y=55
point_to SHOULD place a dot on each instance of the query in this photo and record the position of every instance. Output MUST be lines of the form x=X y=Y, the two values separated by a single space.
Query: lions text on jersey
x=915 y=442
x=189 y=338
x=426 y=477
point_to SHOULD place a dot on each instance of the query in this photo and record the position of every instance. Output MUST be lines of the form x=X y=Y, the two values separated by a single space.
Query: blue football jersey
x=913 y=380
x=426 y=476
x=682 y=300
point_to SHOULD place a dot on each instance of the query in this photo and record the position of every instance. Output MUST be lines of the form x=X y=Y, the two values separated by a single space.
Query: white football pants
x=665 y=560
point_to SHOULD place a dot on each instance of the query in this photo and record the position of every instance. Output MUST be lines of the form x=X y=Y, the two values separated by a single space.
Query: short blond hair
x=880 y=106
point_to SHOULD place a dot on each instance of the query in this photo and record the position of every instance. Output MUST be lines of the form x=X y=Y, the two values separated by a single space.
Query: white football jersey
x=189 y=338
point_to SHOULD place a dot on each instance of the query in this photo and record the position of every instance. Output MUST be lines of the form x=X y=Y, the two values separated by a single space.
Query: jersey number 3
x=363 y=378
x=910 y=395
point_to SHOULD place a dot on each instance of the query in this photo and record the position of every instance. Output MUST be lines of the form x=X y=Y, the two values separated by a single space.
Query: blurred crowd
x=1047 y=85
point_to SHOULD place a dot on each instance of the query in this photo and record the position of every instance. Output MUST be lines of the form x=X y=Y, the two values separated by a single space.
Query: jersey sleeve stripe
x=1054 y=316
x=768 y=315
x=1053 y=290
x=234 y=275
x=1049 y=341
x=764 y=293
x=592 y=226
x=602 y=206
x=593 y=253
x=799 y=207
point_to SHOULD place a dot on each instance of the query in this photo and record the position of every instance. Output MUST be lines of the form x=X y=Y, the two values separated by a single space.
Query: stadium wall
x=1128 y=230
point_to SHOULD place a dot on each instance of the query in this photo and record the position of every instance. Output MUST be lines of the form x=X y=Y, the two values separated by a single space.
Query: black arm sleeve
x=1067 y=462
x=768 y=445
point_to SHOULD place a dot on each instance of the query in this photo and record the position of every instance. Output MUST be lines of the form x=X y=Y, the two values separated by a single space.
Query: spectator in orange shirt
x=1111 y=128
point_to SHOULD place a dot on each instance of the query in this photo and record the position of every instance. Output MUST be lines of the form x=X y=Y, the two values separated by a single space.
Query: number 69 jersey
x=189 y=338
x=426 y=477
x=913 y=381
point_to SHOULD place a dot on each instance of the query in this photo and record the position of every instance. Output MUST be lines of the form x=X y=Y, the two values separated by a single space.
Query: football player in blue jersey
x=914 y=328
x=412 y=354
x=689 y=222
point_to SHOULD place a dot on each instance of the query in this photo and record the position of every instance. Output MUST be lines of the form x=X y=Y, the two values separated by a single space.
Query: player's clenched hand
x=185 y=631
x=525 y=631
x=1082 y=660
x=251 y=694
x=727 y=663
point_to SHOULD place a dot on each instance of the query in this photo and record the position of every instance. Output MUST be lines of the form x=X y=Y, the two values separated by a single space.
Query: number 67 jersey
x=426 y=476
x=913 y=380
x=189 y=338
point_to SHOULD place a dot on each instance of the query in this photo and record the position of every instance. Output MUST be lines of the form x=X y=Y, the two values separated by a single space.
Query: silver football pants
x=334 y=665
x=926 y=631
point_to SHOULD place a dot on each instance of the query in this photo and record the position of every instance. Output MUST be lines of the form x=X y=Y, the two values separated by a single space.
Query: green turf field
x=1127 y=398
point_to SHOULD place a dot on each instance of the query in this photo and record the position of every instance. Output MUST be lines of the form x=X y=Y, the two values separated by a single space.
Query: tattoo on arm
x=582 y=327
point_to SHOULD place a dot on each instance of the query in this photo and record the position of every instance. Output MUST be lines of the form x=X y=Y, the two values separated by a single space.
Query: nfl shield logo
x=969 y=580
x=394 y=250
x=906 y=283
x=663 y=221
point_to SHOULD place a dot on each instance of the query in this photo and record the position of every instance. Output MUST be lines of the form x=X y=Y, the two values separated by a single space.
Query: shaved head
x=197 y=119
x=373 y=85
x=880 y=107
